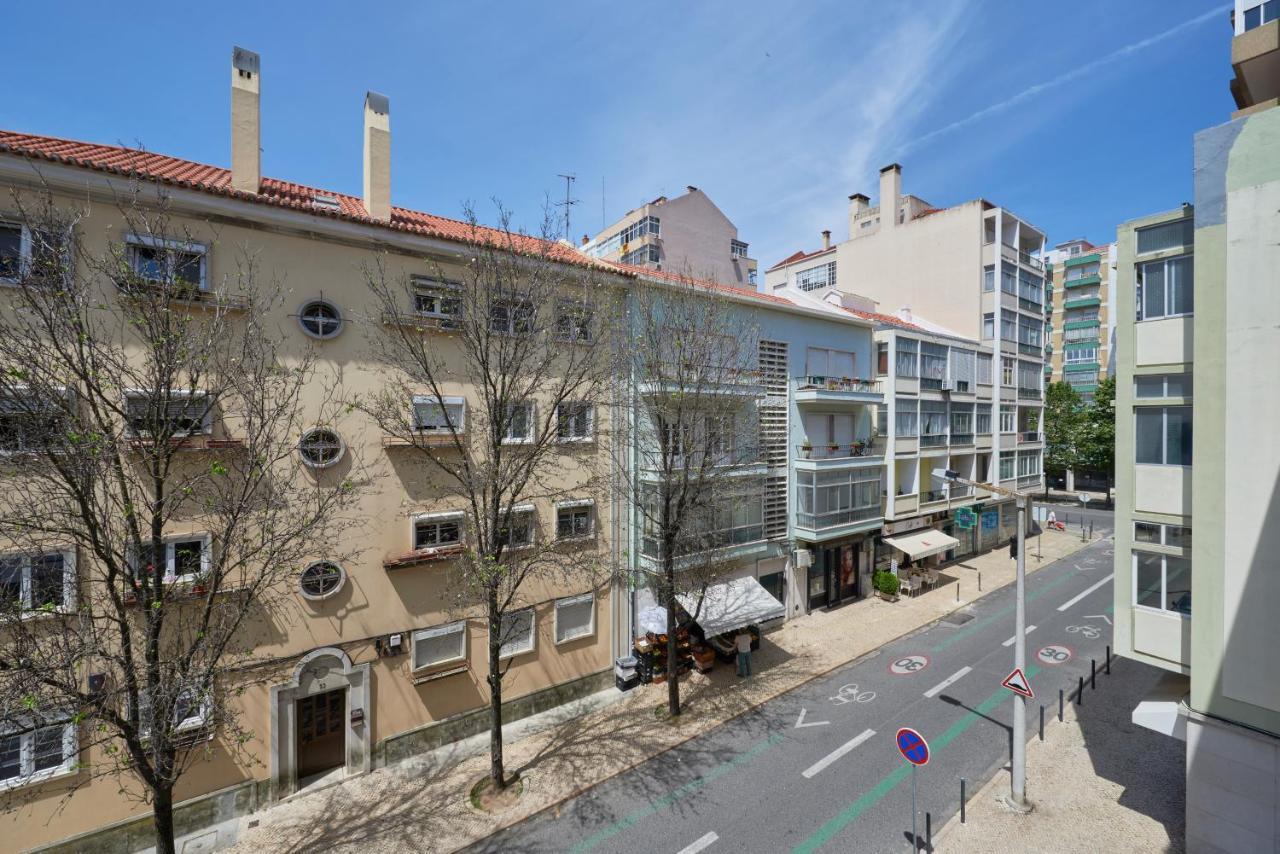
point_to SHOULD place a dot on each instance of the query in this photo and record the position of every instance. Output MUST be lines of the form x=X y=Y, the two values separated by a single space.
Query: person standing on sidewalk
x=743 y=642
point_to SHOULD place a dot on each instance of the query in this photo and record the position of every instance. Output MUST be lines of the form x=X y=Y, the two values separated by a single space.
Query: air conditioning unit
x=948 y=385
x=804 y=558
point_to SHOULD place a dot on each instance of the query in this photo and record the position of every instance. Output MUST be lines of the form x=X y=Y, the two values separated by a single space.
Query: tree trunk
x=162 y=817
x=497 y=773
x=673 y=672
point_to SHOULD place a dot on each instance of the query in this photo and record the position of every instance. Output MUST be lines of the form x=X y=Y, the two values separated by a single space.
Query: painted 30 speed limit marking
x=1054 y=654
x=909 y=664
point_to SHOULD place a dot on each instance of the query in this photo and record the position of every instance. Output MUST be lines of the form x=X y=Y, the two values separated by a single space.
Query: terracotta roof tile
x=888 y=319
x=702 y=283
x=800 y=256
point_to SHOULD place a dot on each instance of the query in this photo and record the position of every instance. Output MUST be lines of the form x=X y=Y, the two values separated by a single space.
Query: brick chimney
x=890 y=195
x=858 y=205
x=377 y=156
x=246 y=132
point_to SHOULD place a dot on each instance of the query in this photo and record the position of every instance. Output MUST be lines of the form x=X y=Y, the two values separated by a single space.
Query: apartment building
x=1198 y=338
x=688 y=234
x=942 y=263
x=1079 y=314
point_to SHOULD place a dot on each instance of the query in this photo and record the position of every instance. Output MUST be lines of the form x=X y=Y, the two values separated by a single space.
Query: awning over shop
x=733 y=605
x=923 y=544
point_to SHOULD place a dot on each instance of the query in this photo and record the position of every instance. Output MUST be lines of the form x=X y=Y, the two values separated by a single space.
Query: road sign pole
x=915 y=840
x=1019 y=764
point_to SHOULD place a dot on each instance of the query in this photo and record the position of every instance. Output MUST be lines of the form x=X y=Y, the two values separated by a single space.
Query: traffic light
x=1013 y=548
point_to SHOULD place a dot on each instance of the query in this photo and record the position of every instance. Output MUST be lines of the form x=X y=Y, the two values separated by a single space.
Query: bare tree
x=498 y=388
x=153 y=507
x=691 y=359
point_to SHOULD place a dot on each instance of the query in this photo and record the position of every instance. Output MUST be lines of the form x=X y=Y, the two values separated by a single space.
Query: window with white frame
x=519 y=531
x=989 y=325
x=1088 y=353
x=647 y=253
x=906 y=416
x=962 y=369
x=185 y=558
x=984 y=369
x=43 y=749
x=518 y=424
x=150 y=414
x=1006 y=371
x=575 y=520
x=35 y=582
x=1261 y=13
x=933 y=420
x=575 y=422
x=933 y=365
x=907 y=359
x=575 y=321
x=438 y=299
x=192 y=712
x=737 y=249
x=1158 y=534
x=988 y=279
x=1008 y=418
x=433 y=530
x=512 y=317
x=516 y=632
x=1163 y=435
x=1081 y=271
x=437 y=415
x=1166 y=288
x=1006 y=467
x=161 y=261
x=29 y=253
x=1162 y=582
x=1162 y=385
x=1028 y=463
x=27 y=422
x=816 y=278
x=444 y=644
x=982 y=420
x=575 y=617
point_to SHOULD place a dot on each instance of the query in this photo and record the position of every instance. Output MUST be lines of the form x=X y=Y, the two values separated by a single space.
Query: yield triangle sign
x=1018 y=684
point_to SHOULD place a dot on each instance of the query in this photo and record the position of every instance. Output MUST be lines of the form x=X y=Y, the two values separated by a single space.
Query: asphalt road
x=817 y=769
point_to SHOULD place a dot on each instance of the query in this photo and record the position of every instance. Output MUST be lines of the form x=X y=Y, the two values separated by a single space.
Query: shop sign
x=891 y=528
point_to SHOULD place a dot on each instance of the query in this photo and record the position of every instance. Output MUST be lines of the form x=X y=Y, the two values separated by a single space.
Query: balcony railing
x=933 y=495
x=833 y=518
x=961 y=438
x=936 y=441
x=1029 y=436
x=961 y=490
x=1027 y=393
x=839 y=384
x=1028 y=480
x=828 y=452
x=1030 y=349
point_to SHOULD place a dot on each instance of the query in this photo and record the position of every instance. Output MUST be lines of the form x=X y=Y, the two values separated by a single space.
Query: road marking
x=941 y=686
x=1103 y=616
x=817 y=767
x=1011 y=640
x=1065 y=605
x=698 y=844
x=978 y=625
x=800 y=724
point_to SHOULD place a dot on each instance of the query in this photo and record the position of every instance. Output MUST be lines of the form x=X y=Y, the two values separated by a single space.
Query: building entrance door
x=321 y=732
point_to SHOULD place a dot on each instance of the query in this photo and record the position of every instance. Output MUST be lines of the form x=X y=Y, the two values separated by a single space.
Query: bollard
x=1108 y=663
x=1093 y=674
x=1080 y=692
x=1060 y=693
x=962 y=800
x=1091 y=530
x=979 y=581
x=928 y=831
x=1042 y=722
x=957 y=591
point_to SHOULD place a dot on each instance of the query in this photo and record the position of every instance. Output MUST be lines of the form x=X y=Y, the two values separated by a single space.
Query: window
x=321 y=580
x=45 y=750
x=982 y=420
x=512 y=317
x=438 y=299
x=882 y=359
x=1028 y=463
x=575 y=520
x=1008 y=418
x=989 y=325
x=26 y=423
x=751 y=277
x=1165 y=288
x=432 y=415
x=1163 y=435
x=1262 y=13
x=575 y=321
x=321 y=447
x=906 y=416
x=1162 y=385
x=519 y=531
x=823 y=362
x=1162 y=582
x=1087 y=334
x=1006 y=467
x=320 y=319
x=1030 y=375
x=1076 y=355
x=151 y=415
x=816 y=278
x=516 y=632
x=185 y=558
x=1169 y=235
x=933 y=365
x=933 y=422
x=437 y=529
x=962 y=365
x=518 y=427
x=192 y=712
x=646 y=254
x=575 y=422
x=984 y=369
x=1080 y=272
x=161 y=261
x=26 y=251
x=1175 y=536
x=37 y=581
x=737 y=249
x=961 y=422
x=575 y=617
x=882 y=420
x=988 y=279
x=647 y=225
x=440 y=645
x=908 y=358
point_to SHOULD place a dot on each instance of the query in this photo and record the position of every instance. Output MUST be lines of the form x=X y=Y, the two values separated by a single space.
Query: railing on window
x=1029 y=436
x=933 y=441
x=933 y=495
x=832 y=518
x=1028 y=393
x=961 y=490
x=707 y=541
x=826 y=452
x=1030 y=349
x=962 y=438
x=1033 y=263
x=840 y=384
x=1029 y=480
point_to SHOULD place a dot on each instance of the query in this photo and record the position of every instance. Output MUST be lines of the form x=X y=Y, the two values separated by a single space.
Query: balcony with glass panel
x=831 y=504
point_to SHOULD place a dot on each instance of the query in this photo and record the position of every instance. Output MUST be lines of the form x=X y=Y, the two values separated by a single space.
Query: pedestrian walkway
x=426 y=798
x=1098 y=781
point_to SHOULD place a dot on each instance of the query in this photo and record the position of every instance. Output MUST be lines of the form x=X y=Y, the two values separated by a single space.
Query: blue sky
x=1077 y=117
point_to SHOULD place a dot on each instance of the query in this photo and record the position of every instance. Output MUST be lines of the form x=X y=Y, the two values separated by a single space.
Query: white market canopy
x=923 y=544
x=732 y=605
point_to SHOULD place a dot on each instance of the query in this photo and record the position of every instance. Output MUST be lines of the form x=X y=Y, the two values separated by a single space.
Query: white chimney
x=858 y=205
x=904 y=313
x=826 y=239
x=890 y=195
x=377 y=156
x=246 y=133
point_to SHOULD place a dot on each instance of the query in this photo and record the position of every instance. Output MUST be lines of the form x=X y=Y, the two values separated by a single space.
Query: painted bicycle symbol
x=850 y=694
x=1087 y=631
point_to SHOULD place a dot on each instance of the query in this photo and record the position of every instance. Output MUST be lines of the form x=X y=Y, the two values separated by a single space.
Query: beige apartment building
x=1196 y=402
x=379 y=657
x=1079 y=314
x=687 y=235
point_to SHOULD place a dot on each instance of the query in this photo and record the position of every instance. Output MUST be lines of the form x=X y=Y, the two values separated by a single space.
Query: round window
x=321 y=580
x=321 y=447
x=320 y=319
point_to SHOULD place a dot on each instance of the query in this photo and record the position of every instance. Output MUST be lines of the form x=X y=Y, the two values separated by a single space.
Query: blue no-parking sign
x=912 y=746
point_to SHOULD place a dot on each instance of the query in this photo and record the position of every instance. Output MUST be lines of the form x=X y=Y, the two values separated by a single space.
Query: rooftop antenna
x=568 y=203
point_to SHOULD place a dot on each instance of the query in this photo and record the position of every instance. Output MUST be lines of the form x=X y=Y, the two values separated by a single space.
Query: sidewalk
x=426 y=798
x=1098 y=781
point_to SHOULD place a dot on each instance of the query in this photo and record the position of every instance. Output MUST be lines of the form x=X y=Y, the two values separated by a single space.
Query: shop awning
x=923 y=544
x=732 y=605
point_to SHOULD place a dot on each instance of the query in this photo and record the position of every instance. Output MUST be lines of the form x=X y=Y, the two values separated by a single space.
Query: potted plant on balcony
x=858 y=448
x=806 y=448
x=832 y=448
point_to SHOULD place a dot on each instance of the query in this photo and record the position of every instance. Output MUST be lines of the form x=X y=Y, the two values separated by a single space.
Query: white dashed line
x=941 y=686
x=817 y=767
x=1010 y=641
x=698 y=844
x=1067 y=604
